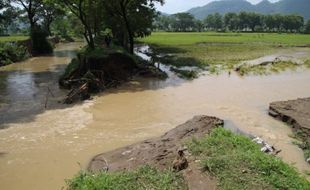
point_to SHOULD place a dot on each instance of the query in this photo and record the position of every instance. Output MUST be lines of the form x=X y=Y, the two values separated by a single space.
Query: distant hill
x=300 y=7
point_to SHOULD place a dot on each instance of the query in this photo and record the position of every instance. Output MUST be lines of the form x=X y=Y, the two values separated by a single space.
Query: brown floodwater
x=40 y=147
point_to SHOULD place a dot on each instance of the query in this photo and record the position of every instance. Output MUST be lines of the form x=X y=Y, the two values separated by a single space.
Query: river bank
x=59 y=141
x=202 y=152
x=295 y=113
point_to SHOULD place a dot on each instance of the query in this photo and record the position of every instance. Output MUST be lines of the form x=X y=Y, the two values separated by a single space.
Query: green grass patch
x=238 y=163
x=208 y=49
x=175 y=39
x=219 y=51
x=307 y=63
x=4 y=39
x=143 y=178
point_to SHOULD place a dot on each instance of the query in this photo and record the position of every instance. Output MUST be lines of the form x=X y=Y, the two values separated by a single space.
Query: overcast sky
x=174 y=6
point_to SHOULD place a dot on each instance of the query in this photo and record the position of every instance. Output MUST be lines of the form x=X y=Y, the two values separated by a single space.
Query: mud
x=294 y=112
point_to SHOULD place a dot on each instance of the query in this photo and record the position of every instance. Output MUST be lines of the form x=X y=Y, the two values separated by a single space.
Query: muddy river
x=43 y=142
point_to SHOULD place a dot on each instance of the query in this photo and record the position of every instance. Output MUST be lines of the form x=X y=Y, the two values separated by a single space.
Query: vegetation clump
x=238 y=163
x=266 y=68
x=10 y=53
x=143 y=178
x=98 y=69
x=186 y=74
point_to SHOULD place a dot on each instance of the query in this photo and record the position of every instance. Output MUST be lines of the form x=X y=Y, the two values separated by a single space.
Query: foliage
x=307 y=27
x=8 y=17
x=40 y=44
x=243 y=21
x=214 y=22
x=145 y=177
x=129 y=19
x=238 y=163
x=182 y=22
x=10 y=53
x=67 y=26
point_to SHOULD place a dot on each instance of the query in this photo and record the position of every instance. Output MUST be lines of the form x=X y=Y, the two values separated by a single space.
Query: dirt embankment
x=296 y=113
x=163 y=153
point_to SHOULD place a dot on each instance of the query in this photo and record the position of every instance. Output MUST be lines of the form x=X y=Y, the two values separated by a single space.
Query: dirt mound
x=161 y=152
x=294 y=112
x=115 y=66
x=297 y=114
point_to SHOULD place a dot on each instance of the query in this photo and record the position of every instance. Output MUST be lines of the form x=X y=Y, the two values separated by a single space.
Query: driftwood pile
x=95 y=74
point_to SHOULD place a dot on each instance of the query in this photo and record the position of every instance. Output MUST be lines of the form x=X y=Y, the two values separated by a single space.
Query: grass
x=238 y=163
x=143 y=178
x=175 y=39
x=219 y=50
x=4 y=39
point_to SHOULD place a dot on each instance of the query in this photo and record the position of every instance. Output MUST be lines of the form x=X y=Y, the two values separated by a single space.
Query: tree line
x=125 y=20
x=237 y=22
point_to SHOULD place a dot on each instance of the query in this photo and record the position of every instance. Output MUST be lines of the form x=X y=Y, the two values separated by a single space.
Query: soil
x=162 y=152
x=294 y=112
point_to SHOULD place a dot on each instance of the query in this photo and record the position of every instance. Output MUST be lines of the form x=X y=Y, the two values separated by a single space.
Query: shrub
x=10 y=53
x=40 y=44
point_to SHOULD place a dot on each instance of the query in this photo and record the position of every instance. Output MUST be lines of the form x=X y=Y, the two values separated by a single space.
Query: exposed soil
x=296 y=113
x=163 y=153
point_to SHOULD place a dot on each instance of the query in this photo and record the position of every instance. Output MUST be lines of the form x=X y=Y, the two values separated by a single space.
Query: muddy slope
x=295 y=113
x=162 y=153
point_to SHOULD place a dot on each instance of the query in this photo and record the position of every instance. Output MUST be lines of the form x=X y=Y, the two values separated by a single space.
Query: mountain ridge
x=299 y=7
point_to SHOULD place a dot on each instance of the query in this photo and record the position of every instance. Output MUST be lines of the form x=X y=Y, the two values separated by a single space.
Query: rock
x=180 y=163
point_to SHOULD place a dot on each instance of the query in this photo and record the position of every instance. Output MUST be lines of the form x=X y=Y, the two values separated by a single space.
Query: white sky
x=174 y=6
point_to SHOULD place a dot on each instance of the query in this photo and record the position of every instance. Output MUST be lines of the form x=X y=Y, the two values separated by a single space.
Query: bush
x=40 y=44
x=10 y=53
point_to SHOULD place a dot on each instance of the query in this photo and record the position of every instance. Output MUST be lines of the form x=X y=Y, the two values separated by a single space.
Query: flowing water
x=43 y=142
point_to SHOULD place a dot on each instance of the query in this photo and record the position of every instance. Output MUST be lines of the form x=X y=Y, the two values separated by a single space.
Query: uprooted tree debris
x=93 y=72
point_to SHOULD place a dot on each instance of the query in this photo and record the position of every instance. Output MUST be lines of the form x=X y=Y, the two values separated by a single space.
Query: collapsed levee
x=159 y=152
x=164 y=152
x=296 y=113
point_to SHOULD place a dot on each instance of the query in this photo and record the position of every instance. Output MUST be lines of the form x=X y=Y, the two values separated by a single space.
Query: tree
x=31 y=7
x=8 y=17
x=183 y=22
x=307 y=27
x=214 y=21
x=84 y=10
x=49 y=12
x=129 y=19
x=231 y=21
x=254 y=20
x=199 y=25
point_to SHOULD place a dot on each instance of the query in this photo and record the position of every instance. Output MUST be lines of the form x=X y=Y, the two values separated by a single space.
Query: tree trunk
x=129 y=31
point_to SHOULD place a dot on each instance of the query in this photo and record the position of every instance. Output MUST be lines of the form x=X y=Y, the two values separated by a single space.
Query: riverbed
x=43 y=142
